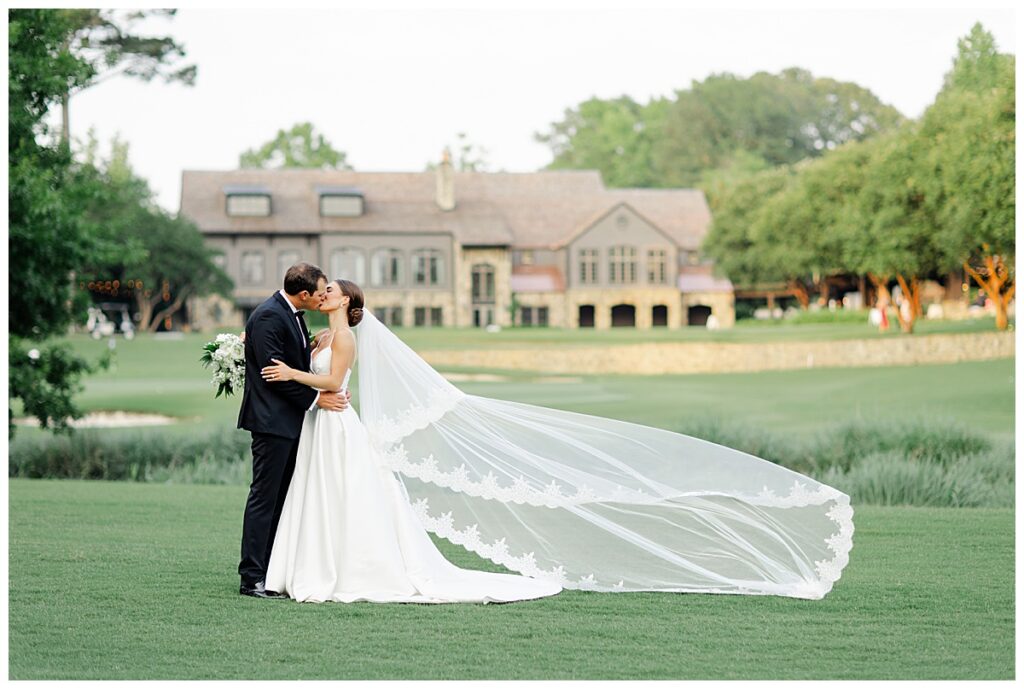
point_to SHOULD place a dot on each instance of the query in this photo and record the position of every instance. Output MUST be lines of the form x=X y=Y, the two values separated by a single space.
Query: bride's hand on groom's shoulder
x=277 y=373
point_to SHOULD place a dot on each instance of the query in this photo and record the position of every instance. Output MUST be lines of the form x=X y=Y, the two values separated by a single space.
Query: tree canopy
x=778 y=119
x=614 y=136
x=104 y=39
x=912 y=202
x=299 y=147
x=45 y=231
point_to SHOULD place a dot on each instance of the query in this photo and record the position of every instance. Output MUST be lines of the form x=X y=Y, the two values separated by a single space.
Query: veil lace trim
x=829 y=571
x=389 y=431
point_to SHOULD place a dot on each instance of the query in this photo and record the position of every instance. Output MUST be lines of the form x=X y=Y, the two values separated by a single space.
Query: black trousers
x=273 y=462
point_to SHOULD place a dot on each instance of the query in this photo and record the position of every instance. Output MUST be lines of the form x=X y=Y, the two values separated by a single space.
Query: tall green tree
x=163 y=256
x=970 y=169
x=47 y=238
x=777 y=225
x=614 y=136
x=782 y=118
x=299 y=147
x=105 y=40
x=717 y=123
x=790 y=239
x=732 y=241
x=887 y=226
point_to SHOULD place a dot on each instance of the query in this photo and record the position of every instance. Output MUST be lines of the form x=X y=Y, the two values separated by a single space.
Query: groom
x=273 y=414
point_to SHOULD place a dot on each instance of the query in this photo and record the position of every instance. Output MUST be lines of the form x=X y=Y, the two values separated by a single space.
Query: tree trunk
x=993 y=279
x=147 y=305
x=912 y=294
x=65 y=131
x=174 y=307
x=954 y=280
x=823 y=292
x=799 y=291
x=1002 y=317
x=882 y=298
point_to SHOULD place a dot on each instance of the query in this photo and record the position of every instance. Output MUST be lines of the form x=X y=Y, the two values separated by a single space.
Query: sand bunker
x=109 y=419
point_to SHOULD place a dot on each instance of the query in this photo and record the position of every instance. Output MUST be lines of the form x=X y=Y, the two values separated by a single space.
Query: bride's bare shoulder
x=343 y=340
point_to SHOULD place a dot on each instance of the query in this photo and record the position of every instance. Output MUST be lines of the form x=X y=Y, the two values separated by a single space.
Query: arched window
x=623 y=316
x=348 y=264
x=622 y=265
x=386 y=268
x=427 y=267
x=586 y=315
x=659 y=315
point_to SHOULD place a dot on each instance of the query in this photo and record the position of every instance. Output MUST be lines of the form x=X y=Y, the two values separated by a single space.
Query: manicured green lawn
x=125 y=580
x=161 y=376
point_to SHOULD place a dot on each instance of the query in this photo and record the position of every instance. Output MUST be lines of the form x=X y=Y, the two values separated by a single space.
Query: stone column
x=602 y=314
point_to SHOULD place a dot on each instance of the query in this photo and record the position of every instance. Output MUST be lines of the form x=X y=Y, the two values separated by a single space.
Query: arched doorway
x=698 y=315
x=623 y=316
x=586 y=315
x=659 y=316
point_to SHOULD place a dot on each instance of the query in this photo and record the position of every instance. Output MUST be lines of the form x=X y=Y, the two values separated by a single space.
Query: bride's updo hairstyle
x=355 y=300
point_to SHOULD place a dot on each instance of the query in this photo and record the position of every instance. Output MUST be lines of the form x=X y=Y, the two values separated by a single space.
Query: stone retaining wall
x=711 y=357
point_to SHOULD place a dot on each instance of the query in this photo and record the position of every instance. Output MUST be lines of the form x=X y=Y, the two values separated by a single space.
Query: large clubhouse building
x=447 y=248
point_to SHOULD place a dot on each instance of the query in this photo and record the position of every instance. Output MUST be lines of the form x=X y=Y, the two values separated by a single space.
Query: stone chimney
x=445 y=197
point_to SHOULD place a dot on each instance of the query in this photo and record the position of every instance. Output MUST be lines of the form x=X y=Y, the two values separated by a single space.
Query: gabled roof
x=590 y=222
x=537 y=279
x=531 y=209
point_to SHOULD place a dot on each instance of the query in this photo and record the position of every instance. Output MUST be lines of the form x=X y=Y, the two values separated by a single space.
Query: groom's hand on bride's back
x=334 y=401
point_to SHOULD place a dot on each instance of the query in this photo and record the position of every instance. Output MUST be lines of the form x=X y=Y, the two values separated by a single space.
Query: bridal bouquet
x=227 y=356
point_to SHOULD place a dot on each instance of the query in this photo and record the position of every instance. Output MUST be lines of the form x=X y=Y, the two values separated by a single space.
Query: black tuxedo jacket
x=272 y=332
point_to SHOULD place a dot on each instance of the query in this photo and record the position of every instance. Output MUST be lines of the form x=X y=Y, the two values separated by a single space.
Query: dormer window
x=247 y=201
x=340 y=202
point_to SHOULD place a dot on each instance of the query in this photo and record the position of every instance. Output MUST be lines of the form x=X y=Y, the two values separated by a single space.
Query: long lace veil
x=591 y=502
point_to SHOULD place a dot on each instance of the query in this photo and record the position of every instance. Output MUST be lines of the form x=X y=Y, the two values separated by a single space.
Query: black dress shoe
x=258 y=590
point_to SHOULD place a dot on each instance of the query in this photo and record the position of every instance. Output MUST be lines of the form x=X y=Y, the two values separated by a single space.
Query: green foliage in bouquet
x=226 y=355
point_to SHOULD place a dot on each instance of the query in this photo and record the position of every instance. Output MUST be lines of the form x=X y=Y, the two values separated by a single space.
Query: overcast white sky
x=391 y=88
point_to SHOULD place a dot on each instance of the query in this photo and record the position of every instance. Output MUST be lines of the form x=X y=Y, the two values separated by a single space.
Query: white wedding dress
x=348 y=531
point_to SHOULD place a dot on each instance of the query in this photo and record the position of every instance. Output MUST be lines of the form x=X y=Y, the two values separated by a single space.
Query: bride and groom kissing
x=339 y=507
x=324 y=520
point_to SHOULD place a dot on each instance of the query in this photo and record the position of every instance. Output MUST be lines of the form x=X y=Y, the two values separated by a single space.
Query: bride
x=566 y=500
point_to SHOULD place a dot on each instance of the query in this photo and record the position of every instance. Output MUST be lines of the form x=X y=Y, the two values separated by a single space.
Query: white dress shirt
x=295 y=311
